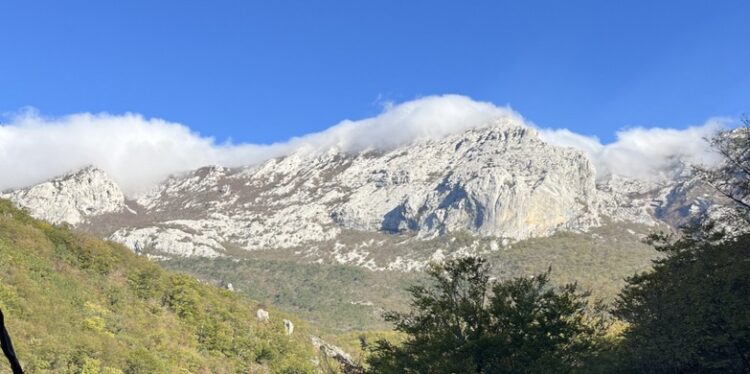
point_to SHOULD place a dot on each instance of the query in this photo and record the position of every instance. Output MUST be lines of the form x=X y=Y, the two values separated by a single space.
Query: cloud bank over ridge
x=139 y=152
x=644 y=153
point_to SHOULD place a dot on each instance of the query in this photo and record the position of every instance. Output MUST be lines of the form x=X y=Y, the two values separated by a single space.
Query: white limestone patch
x=169 y=241
x=71 y=198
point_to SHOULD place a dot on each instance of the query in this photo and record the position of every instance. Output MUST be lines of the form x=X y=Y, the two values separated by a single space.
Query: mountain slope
x=71 y=198
x=341 y=297
x=75 y=303
x=501 y=181
x=314 y=230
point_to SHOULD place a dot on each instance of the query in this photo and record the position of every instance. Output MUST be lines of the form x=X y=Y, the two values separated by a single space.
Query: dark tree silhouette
x=7 y=347
x=691 y=313
x=731 y=178
x=466 y=323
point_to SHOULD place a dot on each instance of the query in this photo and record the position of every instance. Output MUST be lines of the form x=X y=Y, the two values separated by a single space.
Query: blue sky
x=263 y=72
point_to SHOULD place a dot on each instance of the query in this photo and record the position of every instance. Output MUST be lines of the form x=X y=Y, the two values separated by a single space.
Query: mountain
x=501 y=181
x=491 y=182
x=335 y=237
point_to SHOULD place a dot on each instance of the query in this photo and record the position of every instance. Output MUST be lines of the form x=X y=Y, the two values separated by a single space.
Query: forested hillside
x=77 y=304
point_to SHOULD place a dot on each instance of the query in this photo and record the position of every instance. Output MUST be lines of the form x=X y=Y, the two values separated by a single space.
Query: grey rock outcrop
x=71 y=198
x=288 y=327
x=339 y=355
x=262 y=315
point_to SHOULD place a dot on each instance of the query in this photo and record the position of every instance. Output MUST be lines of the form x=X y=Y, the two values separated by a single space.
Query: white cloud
x=644 y=153
x=138 y=152
x=426 y=118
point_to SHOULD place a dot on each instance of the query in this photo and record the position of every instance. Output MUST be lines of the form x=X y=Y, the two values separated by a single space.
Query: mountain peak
x=72 y=197
x=88 y=169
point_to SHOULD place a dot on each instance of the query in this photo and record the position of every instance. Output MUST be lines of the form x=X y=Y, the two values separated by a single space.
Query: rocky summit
x=72 y=198
x=500 y=182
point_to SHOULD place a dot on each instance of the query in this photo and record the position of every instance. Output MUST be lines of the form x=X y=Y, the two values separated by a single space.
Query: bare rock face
x=170 y=241
x=501 y=181
x=682 y=201
x=71 y=198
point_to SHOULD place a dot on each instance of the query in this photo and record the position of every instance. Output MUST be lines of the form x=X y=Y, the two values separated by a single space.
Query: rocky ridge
x=71 y=198
x=499 y=182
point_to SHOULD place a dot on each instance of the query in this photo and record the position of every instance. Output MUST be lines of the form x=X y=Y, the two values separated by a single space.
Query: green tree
x=465 y=323
x=182 y=297
x=691 y=313
x=142 y=361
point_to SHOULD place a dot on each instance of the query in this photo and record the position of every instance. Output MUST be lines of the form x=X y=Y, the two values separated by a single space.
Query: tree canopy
x=466 y=323
x=691 y=313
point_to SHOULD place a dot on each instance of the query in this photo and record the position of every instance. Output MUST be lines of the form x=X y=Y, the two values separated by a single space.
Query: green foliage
x=598 y=260
x=463 y=322
x=77 y=304
x=181 y=296
x=141 y=361
x=691 y=313
x=324 y=294
x=146 y=282
x=358 y=343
